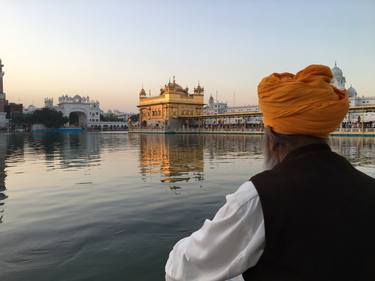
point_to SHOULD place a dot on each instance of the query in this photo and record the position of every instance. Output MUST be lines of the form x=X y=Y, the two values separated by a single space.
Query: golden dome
x=174 y=88
x=142 y=93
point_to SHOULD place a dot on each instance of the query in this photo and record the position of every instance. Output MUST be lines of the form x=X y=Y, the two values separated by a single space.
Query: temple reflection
x=359 y=151
x=233 y=146
x=181 y=157
x=174 y=157
x=3 y=154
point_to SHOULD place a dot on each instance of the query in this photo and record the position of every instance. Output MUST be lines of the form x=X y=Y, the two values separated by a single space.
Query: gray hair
x=285 y=143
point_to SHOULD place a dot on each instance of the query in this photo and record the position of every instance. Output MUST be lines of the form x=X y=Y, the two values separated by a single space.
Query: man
x=309 y=216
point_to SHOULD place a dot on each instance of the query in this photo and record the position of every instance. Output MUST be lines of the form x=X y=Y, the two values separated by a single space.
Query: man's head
x=299 y=109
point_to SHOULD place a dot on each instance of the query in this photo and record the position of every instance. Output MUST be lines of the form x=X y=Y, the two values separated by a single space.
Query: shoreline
x=185 y=132
x=240 y=132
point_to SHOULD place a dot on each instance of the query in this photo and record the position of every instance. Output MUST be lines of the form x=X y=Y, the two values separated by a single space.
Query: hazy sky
x=107 y=49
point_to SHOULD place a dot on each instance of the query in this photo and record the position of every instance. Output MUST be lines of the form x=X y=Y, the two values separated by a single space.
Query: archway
x=77 y=119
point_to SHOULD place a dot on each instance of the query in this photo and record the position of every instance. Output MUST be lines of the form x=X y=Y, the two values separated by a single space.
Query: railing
x=356 y=130
x=156 y=130
x=243 y=130
x=220 y=129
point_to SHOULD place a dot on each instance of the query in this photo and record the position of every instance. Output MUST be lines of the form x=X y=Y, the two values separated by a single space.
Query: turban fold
x=302 y=104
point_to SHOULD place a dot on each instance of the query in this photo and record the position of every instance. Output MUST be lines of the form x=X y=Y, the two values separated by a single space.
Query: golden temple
x=169 y=109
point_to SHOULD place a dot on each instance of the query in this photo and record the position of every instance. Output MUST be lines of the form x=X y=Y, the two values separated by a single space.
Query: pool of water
x=110 y=206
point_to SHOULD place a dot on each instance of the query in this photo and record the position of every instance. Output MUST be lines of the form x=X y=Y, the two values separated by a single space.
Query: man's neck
x=284 y=152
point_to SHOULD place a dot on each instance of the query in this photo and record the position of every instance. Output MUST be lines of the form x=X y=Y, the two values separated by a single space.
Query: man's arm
x=224 y=247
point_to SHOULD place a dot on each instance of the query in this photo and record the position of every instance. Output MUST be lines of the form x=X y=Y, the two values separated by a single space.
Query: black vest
x=319 y=214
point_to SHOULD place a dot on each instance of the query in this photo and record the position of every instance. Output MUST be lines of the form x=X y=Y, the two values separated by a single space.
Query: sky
x=108 y=49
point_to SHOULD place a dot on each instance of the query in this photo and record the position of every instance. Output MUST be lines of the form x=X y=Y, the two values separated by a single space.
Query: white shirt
x=226 y=246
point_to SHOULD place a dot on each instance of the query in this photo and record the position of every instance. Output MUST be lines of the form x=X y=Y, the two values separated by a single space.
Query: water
x=109 y=206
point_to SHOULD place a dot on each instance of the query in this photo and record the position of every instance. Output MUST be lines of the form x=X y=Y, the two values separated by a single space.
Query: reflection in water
x=67 y=150
x=92 y=200
x=3 y=149
x=60 y=151
x=233 y=146
x=359 y=151
x=174 y=156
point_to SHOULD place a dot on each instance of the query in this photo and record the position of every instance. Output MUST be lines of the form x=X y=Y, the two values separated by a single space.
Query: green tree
x=49 y=118
x=18 y=119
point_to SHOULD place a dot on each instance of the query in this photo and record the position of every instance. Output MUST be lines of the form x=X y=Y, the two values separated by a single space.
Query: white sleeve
x=224 y=247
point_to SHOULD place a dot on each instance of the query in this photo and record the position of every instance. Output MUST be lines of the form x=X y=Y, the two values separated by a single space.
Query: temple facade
x=171 y=108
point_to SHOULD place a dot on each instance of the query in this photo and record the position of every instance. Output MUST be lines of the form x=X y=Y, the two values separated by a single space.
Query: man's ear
x=274 y=147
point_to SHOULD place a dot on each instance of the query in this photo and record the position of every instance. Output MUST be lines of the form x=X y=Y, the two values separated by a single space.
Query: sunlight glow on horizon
x=107 y=50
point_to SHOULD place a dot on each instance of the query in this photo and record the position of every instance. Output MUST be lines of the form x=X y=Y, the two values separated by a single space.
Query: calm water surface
x=109 y=206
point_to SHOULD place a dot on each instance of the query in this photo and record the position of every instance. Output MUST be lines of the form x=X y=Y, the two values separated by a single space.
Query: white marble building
x=243 y=108
x=88 y=111
x=354 y=99
x=338 y=79
x=215 y=107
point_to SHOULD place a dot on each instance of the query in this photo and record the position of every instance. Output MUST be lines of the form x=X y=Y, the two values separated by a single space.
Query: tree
x=19 y=119
x=49 y=118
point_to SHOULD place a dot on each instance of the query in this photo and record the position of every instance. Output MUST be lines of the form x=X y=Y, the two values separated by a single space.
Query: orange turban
x=302 y=104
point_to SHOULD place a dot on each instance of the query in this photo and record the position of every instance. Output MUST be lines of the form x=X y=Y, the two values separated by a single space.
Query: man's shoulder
x=245 y=193
x=277 y=181
x=275 y=174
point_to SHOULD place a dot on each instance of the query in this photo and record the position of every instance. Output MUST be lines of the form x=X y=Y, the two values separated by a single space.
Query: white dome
x=77 y=98
x=352 y=93
x=336 y=71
